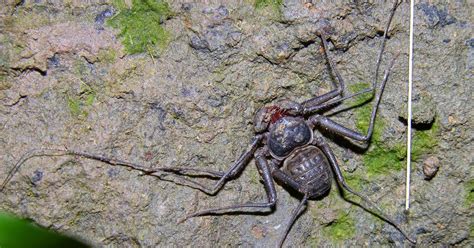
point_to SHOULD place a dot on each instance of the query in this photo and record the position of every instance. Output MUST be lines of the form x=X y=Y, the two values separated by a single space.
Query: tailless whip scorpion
x=287 y=147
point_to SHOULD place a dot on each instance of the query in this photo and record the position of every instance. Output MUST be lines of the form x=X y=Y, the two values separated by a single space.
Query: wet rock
x=430 y=167
x=37 y=176
x=423 y=110
x=54 y=61
x=259 y=231
x=64 y=38
x=435 y=16
x=102 y=16
x=326 y=215
x=216 y=34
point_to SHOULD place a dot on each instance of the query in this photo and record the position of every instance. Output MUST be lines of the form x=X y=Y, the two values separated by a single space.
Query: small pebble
x=37 y=176
x=430 y=167
x=259 y=232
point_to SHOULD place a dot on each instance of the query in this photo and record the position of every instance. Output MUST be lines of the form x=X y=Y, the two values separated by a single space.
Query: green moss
x=139 y=25
x=78 y=104
x=265 y=3
x=360 y=99
x=363 y=111
x=381 y=158
x=270 y=8
x=341 y=229
x=74 y=106
x=107 y=55
x=354 y=181
x=26 y=18
x=423 y=141
x=469 y=200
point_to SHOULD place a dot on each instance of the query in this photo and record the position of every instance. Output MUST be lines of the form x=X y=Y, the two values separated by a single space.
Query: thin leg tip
x=413 y=241
x=180 y=221
x=187 y=217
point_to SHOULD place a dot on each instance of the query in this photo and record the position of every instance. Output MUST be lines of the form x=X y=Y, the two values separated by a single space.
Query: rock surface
x=66 y=81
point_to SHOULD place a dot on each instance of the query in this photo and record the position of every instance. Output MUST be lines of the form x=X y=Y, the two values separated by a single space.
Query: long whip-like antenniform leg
x=157 y=172
x=160 y=172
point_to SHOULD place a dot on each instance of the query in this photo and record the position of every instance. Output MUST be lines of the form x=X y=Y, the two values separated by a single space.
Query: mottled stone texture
x=66 y=80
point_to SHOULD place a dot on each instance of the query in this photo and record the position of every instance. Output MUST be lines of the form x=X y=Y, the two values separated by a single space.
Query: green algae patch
x=74 y=106
x=363 y=111
x=78 y=104
x=355 y=181
x=140 y=25
x=268 y=3
x=6 y=54
x=341 y=229
x=424 y=141
x=360 y=99
x=469 y=199
x=271 y=7
x=381 y=158
x=107 y=55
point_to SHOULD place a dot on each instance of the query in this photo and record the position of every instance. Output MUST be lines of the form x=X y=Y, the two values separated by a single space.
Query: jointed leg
x=160 y=172
x=294 y=215
x=309 y=105
x=286 y=180
x=327 y=124
x=384 y=39
x=321 y=102
x=340 y=179
x=236 y=168
x=268 y=183
x=64 y=152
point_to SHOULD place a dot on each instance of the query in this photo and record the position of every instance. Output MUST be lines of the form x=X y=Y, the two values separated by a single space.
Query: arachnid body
x=287 y=147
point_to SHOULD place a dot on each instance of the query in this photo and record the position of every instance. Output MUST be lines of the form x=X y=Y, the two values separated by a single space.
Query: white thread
x=410 y=85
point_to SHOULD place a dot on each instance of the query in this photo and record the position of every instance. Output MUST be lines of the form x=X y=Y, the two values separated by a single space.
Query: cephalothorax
x=287 y=148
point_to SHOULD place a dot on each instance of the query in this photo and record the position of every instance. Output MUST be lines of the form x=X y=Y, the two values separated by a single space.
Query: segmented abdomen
x=310 y=168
